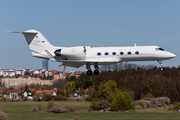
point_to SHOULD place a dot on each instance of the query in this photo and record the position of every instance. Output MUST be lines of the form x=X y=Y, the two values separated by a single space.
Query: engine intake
x=57 y=52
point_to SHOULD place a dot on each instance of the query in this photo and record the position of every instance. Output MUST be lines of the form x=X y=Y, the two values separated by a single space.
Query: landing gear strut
x=160 y=62
x=89 y=72
x=96 y=71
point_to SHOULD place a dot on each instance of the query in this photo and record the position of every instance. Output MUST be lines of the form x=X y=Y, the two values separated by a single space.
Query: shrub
x=89 y=110
x=39 y=107
x=60 y=98
x=57 y=109
x=70 y=109
x=88 y=98
x=47 y=97
x=34 y=109
x=3 y=116
x=122 y=101
x=50 y=104
x=148 y=95
x=94 y=105
x=103 y=104
x=176 y=106
x=76 y=118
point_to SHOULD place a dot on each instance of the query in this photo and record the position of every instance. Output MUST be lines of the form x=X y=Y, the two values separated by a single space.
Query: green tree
x=108 y=90
x=70 y=87
x=45 y=87
x=122 y=101
x=26 y=87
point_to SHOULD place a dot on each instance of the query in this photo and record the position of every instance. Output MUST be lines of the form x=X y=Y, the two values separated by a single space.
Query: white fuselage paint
x=81 y=55
x=145 y=53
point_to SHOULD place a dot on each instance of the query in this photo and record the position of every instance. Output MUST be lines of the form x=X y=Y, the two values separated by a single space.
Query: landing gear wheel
x=89 y=72
x=96 y=72
x=162 y=68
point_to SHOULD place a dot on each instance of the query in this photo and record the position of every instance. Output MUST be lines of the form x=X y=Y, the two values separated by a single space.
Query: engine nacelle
x=57 y=52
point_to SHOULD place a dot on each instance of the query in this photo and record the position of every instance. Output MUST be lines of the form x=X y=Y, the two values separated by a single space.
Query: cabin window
x=106 y=53
x=98 y=53
x=137 y=52
x=121 y=53
x=114 y=53
x=129 y=53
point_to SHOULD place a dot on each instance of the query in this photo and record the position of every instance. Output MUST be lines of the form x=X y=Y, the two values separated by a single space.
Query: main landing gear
x=96 y=71
x=160 y=62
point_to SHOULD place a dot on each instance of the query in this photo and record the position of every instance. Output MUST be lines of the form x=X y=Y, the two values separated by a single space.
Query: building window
x=98 y=53
x=121 y=53
x=106 y=53
x=129 y=53
x=137 y=52
x=114 y=53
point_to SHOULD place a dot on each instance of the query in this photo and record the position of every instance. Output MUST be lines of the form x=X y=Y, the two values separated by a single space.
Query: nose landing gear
x=160 y=62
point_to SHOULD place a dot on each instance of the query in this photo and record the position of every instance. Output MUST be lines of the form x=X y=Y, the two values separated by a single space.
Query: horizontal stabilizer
x=22 y=32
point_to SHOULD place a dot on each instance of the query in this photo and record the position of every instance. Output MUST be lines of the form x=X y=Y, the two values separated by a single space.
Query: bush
x=148 y=95
x=59 y=109
x=37 y=97
x=94 y=105
x=122 y=101
x=89 y=110
x=47 y=97
x=34 y=109
x=3 y=116
x=177 y=106
x=60 y=98
x=70 y=109
x=88 y=98
x=103 y=104
x=50 y=104
x=76 y=118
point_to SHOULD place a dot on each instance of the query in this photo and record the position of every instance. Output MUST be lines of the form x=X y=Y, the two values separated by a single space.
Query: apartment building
x=23 y=80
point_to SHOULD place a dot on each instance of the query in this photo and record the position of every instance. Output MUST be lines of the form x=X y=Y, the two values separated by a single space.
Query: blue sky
x=88 y=23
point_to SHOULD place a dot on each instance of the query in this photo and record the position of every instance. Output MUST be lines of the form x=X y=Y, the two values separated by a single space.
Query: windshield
x=160 y=49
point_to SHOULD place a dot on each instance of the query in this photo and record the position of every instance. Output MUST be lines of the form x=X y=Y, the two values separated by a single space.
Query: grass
x=21 y=111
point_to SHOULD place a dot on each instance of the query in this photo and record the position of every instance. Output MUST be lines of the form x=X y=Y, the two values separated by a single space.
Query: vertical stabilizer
x=38 y=44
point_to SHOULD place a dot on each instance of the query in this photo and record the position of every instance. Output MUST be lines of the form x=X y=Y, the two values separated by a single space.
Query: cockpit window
x=159 y=49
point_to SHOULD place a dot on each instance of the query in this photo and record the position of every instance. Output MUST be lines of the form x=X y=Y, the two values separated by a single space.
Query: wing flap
x=73 y=64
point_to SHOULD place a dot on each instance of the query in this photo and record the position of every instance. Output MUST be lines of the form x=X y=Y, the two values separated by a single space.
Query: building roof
x=4 y=88
x=45 y=91
x=16 y=91
x=33 y=89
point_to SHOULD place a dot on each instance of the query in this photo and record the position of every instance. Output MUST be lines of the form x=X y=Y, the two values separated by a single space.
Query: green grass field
x=21 y=111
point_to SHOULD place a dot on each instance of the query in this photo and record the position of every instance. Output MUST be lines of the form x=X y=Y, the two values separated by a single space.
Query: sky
x=96 y=23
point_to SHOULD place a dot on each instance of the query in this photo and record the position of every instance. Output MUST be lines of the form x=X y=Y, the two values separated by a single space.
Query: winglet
x=51 y=58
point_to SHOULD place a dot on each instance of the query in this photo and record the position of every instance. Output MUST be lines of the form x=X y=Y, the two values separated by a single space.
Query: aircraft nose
x=171 y=55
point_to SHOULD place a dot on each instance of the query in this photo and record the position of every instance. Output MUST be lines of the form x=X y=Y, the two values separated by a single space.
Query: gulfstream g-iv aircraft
x=87 y=55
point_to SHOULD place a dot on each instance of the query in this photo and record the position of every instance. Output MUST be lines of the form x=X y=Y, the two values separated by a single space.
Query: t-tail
x=38 y=44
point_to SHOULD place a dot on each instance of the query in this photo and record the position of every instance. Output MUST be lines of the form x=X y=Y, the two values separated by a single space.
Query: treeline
x=142 y=80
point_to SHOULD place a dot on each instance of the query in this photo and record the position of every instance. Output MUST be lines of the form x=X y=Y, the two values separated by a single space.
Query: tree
x=108 y=90
x=26 y=88
x=122 y=101
x=45 y=87
x=70 y=87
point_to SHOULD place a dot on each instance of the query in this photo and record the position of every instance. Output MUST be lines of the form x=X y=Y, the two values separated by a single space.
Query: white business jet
x=87 y=55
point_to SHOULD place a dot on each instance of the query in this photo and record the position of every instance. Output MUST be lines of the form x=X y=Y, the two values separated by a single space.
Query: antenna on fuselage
x=135 y=45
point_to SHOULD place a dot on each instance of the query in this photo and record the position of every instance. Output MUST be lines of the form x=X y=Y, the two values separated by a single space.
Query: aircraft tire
x=89 y=72
x=96 y=72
